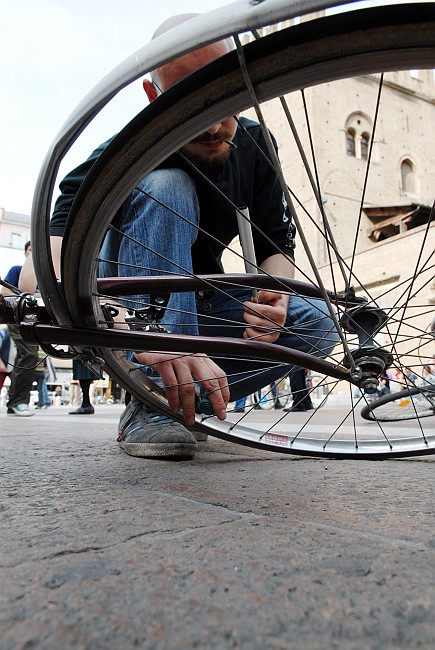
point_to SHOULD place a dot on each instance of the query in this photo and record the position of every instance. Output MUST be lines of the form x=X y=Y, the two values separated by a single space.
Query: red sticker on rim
x=276 y=439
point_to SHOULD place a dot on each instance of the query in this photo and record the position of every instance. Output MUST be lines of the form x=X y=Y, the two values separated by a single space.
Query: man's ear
x=150 y=89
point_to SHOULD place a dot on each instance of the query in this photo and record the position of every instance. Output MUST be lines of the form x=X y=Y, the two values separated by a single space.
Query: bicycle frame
x=37 y=328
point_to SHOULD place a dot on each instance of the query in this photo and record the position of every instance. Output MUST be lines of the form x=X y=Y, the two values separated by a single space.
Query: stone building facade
x=14 y=233
x=399 y=192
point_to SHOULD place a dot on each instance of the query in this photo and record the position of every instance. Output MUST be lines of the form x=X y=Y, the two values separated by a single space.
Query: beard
x=208 y=161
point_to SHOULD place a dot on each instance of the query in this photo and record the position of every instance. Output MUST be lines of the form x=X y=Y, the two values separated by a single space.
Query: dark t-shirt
x=13 y=275
x=246 y=179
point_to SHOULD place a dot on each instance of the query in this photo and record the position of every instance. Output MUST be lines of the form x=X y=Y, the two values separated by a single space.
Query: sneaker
x=199 y=436
x=144 y=432
x=20 y=409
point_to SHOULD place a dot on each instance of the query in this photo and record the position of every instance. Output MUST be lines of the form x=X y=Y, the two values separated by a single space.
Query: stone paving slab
x=237 y=548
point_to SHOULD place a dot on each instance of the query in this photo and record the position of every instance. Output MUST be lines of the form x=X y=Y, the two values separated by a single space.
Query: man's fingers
x=179 y=378
x=170 y=384
x=260 y=327
x=264 y=336
x=268 y=319
x=187 y=392
x=215 y=383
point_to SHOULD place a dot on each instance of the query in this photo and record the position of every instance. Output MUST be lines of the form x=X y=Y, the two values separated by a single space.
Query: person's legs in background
x=85 y=385
x=239 y=406
x=300 y=392
x=23 y=374
x=45 y=396
x=41 y=384
x=85 y=376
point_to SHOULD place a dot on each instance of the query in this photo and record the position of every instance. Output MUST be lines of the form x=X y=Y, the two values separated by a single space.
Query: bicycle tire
x=264 y=398
x=282 y=398
x=361 y=42
x=285 y=394
x=401 y=405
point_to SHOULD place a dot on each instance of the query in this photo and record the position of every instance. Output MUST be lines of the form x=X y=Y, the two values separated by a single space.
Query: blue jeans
x=43 y=397
x=158 y=241
x=240 y=403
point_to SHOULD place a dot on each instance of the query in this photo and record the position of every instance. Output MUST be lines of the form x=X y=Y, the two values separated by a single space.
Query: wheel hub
x=369 y=361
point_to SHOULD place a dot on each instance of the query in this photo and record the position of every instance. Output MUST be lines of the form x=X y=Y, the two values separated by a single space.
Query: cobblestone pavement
x=234 y=549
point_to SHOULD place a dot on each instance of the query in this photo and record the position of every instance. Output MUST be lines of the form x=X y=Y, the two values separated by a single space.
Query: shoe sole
x=159 y=450
x=21 y=415
x=73 y=413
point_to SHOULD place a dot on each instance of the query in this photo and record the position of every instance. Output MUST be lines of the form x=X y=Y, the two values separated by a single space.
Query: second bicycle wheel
x=408 y=404
x=312 y=55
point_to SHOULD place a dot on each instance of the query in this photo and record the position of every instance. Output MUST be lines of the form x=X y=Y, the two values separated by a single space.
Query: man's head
x=211 y=148
x=27 y=248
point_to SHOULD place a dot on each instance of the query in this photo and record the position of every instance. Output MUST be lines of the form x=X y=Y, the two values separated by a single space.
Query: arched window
x=408 y=177
x=350 y=142
x=358 y=129
x=365 y=138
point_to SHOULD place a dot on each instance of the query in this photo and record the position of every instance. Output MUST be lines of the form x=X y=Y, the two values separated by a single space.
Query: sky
x=52 y=53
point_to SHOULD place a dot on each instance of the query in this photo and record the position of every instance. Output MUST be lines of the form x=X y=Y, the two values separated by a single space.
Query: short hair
x=166 y=26
x=26 y=245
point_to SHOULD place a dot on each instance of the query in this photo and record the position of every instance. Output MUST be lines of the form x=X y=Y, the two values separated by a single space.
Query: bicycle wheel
x=313 y=54
x=408 y=404
x=273 y=396
x=284 y=393
x=267 y=398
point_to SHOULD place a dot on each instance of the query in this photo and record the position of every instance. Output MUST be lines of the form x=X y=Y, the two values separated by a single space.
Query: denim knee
x=312 y=325
x=157 y=237
x=173 y=188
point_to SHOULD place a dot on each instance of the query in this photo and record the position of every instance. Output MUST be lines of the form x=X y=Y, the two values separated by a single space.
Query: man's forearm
x=279 y=265
x=27 y=276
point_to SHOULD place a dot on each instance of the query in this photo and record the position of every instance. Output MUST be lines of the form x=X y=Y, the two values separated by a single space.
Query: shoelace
x=153 y=419
x=144 y=416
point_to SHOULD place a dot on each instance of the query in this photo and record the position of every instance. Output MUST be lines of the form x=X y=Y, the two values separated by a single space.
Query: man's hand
x=179 y=373
x=266 y=317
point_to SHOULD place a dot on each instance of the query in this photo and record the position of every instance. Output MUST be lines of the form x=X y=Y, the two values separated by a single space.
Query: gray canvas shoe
x=148 y=434
x=199 y=436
